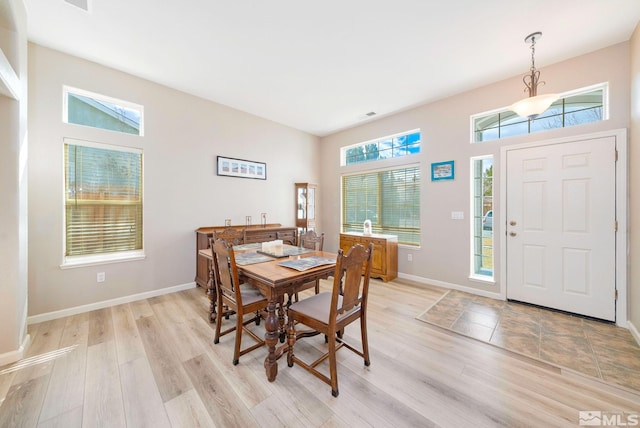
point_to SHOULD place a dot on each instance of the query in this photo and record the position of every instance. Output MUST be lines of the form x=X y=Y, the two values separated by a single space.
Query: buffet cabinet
x=384 y=263
x=252 y=234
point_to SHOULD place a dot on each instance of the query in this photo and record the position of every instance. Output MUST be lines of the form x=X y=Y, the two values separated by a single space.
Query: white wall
x=634 y=186
x=183 y=136
x=13 y=185
x=444 y=256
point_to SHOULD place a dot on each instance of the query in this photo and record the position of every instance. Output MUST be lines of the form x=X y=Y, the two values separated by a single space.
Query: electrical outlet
x=410 y=257
x=101 y=277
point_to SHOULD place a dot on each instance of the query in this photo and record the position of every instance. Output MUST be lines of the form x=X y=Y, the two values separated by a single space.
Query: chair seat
x=318 y=307
x=250 y=295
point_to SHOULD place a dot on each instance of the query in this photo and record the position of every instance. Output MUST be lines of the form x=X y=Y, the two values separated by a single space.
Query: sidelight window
x=482 y=235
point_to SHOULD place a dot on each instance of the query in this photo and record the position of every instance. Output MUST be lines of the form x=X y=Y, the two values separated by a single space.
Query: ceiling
x=321 y=66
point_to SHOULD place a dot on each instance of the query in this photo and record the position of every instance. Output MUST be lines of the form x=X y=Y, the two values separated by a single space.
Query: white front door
x=560 y=226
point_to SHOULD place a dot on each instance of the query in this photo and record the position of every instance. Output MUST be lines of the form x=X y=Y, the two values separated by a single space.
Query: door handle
x=512 y=234
x=512 y=223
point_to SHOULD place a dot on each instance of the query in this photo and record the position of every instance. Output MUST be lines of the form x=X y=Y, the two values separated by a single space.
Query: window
x=389 y=198
x=573 y=108
x=394 y=146
x=103 y=202
x=99 y=111
x=482 y=208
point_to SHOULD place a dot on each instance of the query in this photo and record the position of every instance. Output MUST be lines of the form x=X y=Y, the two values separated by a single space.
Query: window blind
x=390 y=199
x=103 y=200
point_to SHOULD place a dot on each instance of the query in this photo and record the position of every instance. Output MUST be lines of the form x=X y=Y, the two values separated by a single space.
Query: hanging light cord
x=531 y=81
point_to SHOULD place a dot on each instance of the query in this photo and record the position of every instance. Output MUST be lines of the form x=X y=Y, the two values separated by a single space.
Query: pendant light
x=535 y=104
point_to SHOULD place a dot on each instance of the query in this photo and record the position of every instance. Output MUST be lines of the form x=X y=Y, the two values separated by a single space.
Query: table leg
x=271 y=335
x=283 y=330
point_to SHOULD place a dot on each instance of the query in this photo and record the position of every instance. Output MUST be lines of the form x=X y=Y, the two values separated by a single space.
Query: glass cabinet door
x=302 y=203
x=311 y=204
x=305 y=207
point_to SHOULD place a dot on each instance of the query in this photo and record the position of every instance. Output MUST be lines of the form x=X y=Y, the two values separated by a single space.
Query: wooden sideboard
x=384 y=264
x=254 y=233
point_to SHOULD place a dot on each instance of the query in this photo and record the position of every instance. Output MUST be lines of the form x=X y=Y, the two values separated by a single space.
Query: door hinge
x=616 y=160
x=615 y=226
x=616 y=297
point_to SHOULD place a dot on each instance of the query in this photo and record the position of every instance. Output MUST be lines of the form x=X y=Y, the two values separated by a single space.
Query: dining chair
x=230 y=235
x=329 y=313
x=239 y=298
x=311 y=241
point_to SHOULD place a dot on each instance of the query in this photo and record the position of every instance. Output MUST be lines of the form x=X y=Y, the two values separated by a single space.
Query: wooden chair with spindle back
x=311 y=241
x=230 y=235
x=239 y=298
x=329 y=313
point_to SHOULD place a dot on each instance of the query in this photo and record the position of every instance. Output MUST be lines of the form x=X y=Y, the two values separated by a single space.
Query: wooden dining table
x=275 y=282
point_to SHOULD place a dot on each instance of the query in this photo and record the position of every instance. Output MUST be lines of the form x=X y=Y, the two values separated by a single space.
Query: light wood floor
x=153 y=363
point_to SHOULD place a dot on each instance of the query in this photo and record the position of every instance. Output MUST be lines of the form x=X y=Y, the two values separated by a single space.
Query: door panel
x=561 y=226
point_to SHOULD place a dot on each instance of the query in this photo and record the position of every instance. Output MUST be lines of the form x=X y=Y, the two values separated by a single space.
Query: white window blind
x=390 y=199
x=103 y=199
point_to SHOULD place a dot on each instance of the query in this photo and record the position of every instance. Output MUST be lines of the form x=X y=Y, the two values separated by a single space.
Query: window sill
x=410 y=247
x=482 y=278
x=101 y=259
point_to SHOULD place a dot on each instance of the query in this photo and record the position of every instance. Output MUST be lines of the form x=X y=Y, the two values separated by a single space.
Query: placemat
x=244 y=259
x=307 y=263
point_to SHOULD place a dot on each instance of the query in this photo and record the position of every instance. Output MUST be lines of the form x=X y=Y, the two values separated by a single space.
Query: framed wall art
x=442 y=171
x=241 y=168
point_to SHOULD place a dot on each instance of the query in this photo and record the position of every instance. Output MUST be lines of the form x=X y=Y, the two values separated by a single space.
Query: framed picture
x=241 y=168
x=442 y=171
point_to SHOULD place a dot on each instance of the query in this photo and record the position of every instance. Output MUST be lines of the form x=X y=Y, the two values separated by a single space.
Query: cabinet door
x=346 y=242
x=379 y=256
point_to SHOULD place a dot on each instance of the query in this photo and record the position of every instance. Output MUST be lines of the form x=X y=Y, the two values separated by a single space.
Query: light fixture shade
x=533 y=106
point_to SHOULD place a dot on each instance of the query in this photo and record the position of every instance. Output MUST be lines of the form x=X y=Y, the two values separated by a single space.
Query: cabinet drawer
x=287 y=236
x=259 y=236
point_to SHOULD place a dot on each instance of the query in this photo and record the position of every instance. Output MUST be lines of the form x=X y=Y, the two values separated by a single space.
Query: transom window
x=393 y=146
x=103 y=202
x=100 y=111
x=389 y=198
x=572 y=108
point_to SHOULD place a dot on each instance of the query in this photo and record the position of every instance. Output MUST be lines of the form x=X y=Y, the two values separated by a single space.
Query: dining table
x=277 y=276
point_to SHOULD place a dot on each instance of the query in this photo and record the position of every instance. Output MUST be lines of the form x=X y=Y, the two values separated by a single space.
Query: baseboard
x=107 y=303
x=634 y=332
x=18 y=354
x=449 y=285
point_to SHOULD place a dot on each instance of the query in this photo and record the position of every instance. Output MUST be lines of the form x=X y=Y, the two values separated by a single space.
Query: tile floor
x=589 y=346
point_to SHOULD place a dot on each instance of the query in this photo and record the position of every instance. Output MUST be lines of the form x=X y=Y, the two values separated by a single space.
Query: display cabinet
x=306 y=207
